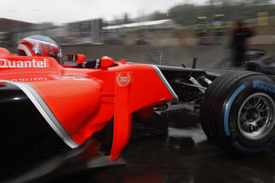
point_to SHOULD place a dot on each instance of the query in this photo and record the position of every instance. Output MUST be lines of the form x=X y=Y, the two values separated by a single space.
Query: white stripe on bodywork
x=46 y=112
x=158 y=71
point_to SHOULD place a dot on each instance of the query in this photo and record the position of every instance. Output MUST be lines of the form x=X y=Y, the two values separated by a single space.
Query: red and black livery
x=48 y=109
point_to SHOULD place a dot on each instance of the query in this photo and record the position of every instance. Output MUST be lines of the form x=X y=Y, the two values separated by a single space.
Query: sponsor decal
x=24 y=79
x=4 y=63
x=233 y=129
x=239 y=100
x=228 y=107
x=243 y=149
x=264 y=86
x=123 y=79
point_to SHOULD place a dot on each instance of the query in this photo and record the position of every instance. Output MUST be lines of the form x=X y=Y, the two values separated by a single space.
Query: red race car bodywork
x=78 y=102
x=48 y=109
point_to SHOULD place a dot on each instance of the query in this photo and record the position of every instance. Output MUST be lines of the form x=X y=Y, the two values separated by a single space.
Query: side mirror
x=75 y=57
x=106 y=62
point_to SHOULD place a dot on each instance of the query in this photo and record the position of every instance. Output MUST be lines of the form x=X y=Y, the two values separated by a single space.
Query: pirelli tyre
x=237 y=112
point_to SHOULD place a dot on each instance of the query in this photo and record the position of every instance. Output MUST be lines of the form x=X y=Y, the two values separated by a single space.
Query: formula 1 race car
x=265 y=66
x=251 y=55
x=252 y=62
x=49 y=112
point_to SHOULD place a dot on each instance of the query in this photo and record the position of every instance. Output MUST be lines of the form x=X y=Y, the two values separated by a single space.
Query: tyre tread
x=213 y=101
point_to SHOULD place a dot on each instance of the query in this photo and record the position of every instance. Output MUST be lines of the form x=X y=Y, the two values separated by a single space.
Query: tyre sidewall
x=231 y=135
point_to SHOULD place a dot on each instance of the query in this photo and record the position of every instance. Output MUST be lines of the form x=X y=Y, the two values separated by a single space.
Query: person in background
x=239 y=44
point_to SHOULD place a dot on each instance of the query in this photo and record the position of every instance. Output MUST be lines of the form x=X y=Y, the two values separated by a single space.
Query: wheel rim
x=256 y=116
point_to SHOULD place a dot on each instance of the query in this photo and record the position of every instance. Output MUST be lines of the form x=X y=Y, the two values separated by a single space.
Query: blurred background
x=166 y=32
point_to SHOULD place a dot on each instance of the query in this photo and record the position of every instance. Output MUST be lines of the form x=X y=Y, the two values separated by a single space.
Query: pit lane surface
x=182 y=155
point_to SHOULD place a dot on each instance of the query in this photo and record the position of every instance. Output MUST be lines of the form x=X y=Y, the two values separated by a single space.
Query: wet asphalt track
x=182 y=155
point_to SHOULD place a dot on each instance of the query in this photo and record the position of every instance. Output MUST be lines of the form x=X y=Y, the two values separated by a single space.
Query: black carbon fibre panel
x=26 y=136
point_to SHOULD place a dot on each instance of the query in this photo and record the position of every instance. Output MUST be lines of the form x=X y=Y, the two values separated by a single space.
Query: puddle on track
x=183 y=155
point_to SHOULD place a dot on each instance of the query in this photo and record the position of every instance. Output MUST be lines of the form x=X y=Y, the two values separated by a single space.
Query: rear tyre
x=237 y=112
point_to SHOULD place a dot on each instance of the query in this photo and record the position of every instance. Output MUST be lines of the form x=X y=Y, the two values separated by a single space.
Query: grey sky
x=63 y=11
